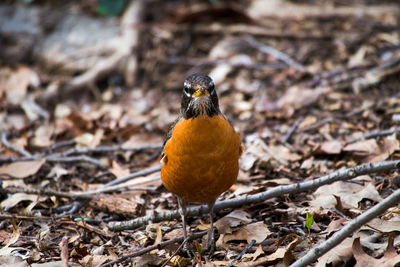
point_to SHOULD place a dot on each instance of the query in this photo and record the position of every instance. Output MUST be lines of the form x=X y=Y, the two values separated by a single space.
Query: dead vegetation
x=85 y=102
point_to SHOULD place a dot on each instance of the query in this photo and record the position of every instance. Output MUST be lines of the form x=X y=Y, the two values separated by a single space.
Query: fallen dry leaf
x=233 y=219
x=22 y=169
x=333 y=147
x=42 y=136
x=17 y=85
x=14 y=238
x=93 y=260
x=390 y=258
x=257 y=231
x=297 y=97
x=16 y=198
x=118 y=171
x=372 y=151
x=385 y=226
x=350 y=194
x=339 y=254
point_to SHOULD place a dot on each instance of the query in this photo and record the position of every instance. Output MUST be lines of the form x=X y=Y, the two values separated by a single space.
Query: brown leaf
x=257 y=231
x=18 y=83
x=42 y=137
x=333 y=147
x=371 y=151
x=339 y=254
x=297 y=97
x=22 y=169
x=390 y=258
x=119 y=171
x=335 y=225
x=16 y=198
x=385 y=226
x=93 y=260
x=350 y=194
x=233 y=219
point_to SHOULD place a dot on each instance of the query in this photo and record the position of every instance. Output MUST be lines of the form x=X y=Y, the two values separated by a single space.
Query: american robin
x=201 y=150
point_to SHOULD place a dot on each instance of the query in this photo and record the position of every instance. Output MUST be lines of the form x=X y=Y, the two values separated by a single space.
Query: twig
x=233 y=63
x=250 y=30
x=57 y=146
x=374 y=134
x=242 y=253
x=106 y=149
x=23 y=217
x=176 y=252
x=276 y=53
x=133 y=175
x=88 y=227
x=317 y=124
x=157 y=246
x=51 y=158
x=64 y=251
x=376 y=74
x=292 y=130
x=14 y=148
x=347 y=230
x=79 y=195
x=260 y=197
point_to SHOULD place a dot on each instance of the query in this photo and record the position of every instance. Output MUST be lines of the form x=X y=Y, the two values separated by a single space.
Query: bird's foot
x=210 y=246
x=188 y=250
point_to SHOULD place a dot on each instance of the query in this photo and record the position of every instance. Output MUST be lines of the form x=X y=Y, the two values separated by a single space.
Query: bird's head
x=199 y=97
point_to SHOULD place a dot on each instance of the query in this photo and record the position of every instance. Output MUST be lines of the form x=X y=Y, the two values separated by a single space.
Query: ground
x=89 y=90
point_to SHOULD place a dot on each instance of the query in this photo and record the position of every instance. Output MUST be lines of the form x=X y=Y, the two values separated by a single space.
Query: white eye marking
x=186 y=91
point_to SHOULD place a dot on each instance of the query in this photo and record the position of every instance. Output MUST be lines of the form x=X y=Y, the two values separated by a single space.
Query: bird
x=201 y=151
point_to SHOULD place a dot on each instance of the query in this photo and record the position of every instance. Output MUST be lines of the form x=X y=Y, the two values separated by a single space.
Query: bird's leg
x=183 y=211
x=211 y=241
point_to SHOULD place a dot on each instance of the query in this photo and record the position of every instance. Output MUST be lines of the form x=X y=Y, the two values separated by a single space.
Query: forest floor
x=89 y=90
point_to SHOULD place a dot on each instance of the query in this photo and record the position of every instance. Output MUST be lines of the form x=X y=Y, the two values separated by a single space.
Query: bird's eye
x=211 y=89
x=186 y=90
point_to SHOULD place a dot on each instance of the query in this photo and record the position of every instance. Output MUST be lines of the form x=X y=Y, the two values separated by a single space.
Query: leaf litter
x=297 y=95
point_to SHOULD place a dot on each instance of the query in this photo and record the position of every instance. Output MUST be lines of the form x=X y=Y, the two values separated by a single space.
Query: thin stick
x=14 y=148
x=276 y=53
x=78 y=195
x=57 y=146
x=150 y=248
x=374 y=135
x=292 y=130
x=242 y=253
x=347 y=230
x=341 y=175
x=176 y=252
x=51 y=158
x=133 y=175
x=106 y=149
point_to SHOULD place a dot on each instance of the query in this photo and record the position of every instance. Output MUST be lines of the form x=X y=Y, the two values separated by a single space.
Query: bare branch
x=341 y=175
x=374 y=134
x=52 y=158
x=14 y=148
x=133 y=175
x=350 y=228
x=292 y=130
x=107 y=149
x=276 y=53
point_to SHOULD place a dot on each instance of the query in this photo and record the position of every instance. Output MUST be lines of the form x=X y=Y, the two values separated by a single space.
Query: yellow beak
x=200 y=92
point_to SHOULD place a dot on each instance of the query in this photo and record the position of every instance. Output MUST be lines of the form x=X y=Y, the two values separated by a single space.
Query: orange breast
x=201 y=158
